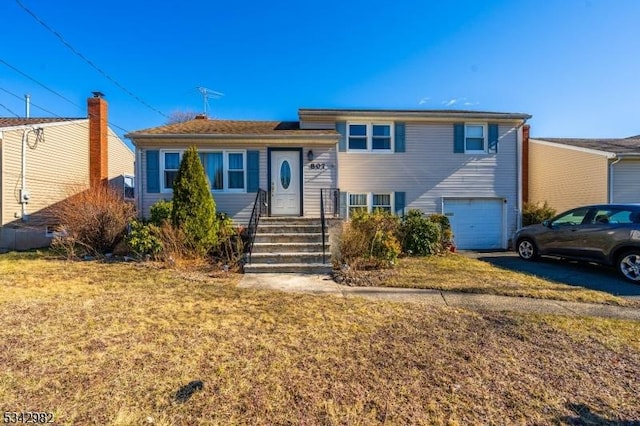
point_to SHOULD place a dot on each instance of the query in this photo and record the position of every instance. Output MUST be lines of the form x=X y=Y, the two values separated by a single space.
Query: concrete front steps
x=289 y=244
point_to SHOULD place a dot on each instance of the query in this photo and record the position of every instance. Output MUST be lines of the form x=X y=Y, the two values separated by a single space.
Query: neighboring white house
x=45 y=160
x=466 y=165
x=568 y=173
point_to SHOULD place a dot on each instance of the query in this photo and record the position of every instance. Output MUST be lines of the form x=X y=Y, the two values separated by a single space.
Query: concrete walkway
x=323 y=284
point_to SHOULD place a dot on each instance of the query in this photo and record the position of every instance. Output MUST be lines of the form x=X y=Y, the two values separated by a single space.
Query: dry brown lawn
x=113 y=343
x=459 y=273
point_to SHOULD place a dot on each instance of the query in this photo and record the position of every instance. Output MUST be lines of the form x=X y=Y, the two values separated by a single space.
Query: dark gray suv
x=608 y=234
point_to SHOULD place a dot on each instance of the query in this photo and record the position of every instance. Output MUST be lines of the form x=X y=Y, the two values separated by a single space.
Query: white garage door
x=625 y=182
x=477 y=223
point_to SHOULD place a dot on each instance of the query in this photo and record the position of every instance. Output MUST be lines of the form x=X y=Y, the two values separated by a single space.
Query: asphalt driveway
x=588 y=275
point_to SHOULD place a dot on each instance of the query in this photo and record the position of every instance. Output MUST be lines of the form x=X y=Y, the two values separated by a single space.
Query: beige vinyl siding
x=429 y=171
x=566 y=177
x=121 y=158
x=239 y=205
x=626 y=181
x=56 y=168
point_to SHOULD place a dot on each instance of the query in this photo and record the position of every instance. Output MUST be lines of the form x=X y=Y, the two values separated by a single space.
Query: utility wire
x=38 y=83
x=54 y=114
x=8 y=109
x=88 y=61
x=49 y=89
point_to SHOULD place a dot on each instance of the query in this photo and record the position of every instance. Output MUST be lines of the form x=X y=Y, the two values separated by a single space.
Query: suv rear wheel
x=629 y=265
x=527 y=249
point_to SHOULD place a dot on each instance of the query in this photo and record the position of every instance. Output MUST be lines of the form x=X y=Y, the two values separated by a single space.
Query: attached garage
x=477 y=223
x=625 y=185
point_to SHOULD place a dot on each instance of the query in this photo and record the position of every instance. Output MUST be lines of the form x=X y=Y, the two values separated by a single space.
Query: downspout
x=611 y=179
x=519 y=151
x=137 y=181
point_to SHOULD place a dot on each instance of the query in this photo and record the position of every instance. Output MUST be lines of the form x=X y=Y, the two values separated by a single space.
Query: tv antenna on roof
x=206 y=94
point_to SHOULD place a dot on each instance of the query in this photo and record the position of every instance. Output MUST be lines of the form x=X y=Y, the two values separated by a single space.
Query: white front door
x=285 y=183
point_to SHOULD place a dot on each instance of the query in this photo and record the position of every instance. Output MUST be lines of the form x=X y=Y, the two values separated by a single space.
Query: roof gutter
x=519 y=151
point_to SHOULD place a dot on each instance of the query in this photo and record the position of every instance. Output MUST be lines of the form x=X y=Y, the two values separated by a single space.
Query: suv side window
x=621 y=216
x=573 y=217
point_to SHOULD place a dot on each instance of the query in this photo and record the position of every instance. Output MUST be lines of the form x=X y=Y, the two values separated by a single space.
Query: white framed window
x=475 y=138
x=128 y=187
x=370 y=137
x=381 y=202
x=170 y=166
x=236 y=165
x=370 y=202
x=225 y=170
x=358 y=202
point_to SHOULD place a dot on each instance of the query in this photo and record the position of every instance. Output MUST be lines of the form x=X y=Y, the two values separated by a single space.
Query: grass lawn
x=455 y=272
x=113 y=344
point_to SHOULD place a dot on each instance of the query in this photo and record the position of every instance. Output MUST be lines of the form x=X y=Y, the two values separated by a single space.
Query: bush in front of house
x=533 y=213
x=194 y=210
x=92 y=222
x=159 y=239
x=370 y=240
x=144 y=239
x=160 y=212
x=446 y=233
x=421 y=236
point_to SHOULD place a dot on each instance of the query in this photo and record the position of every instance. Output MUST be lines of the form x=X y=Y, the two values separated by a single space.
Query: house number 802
x=317 y=166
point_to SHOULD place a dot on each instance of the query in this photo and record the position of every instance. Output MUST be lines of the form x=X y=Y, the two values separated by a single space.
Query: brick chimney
x=98 y=140
x=525 y=163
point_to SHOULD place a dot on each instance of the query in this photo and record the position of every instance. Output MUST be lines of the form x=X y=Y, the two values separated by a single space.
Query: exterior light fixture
x=310 y=155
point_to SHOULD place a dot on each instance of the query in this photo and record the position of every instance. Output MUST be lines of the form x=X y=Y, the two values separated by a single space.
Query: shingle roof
x=13 y=122
x=232 y=127
x=617 y=146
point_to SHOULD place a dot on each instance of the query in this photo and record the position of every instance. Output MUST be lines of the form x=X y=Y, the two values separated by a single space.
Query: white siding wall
x=239 y=205
x=429 y=170
x=315 y=179
x=318 y=125
x=626 y=182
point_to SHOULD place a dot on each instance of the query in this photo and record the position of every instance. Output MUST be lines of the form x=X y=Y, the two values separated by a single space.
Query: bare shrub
x=369 y=240
x=92 y=222
x=533 y=213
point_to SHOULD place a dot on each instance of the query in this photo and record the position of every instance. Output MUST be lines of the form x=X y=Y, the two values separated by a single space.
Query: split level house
x=45 y=160
x=466 y=165
x=571 y=172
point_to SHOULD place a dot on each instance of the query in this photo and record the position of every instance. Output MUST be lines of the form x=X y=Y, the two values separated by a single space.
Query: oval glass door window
x=285 y=174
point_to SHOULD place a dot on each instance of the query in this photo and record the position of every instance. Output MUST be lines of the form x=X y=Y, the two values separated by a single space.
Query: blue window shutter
x=400 y=203
x=343 y=205
x=153 y=171
x=399 y=135
x=493 y=138
x=458 y=138
x=341 y=127
x=253 y=171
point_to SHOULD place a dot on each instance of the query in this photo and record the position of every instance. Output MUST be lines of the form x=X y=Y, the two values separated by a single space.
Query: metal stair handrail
x=259 y=208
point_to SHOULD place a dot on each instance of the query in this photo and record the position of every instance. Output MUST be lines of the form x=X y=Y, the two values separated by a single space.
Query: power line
x=38 y=83
x=8 y=109
x=53 y=113
x=88 y=61
x=50 y=90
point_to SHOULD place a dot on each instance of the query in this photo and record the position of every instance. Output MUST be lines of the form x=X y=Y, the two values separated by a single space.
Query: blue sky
x=572 y=64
